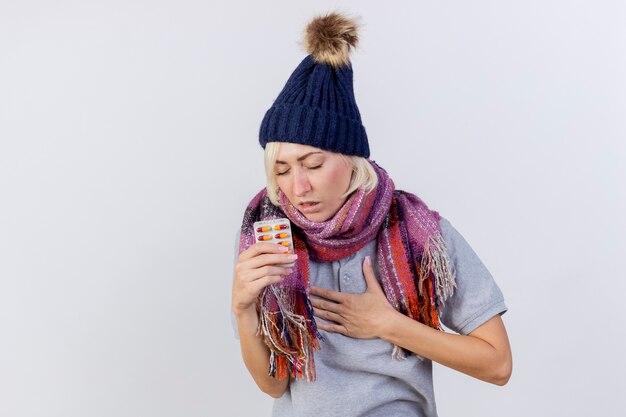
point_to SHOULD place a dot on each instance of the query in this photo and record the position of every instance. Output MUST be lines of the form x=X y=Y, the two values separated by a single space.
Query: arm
x=255 y=269
x=484 y=353
x=256 y=355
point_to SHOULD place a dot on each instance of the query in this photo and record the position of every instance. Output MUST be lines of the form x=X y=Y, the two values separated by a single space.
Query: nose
x=301 y=184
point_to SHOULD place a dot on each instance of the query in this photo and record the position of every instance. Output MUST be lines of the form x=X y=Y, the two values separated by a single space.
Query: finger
x=267 y=270
x=370 y=277
x=328 y=315
x=261 y=283
x=269 y=259
x=327 y=305
x=260 y=248
x=331 y=327
x=328 y=294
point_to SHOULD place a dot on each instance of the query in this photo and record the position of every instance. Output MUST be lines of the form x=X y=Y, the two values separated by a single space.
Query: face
x=313 y=179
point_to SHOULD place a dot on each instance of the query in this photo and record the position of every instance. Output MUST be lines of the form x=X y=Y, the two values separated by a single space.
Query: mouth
x=308 y=206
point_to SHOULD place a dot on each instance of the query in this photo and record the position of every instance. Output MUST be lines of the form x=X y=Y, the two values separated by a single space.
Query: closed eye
x=285 y=172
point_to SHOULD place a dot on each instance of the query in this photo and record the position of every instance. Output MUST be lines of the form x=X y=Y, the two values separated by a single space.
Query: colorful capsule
x=281 y=227
x=281 y=235
x=284 y=243
x=263 y=229
x=265 y=237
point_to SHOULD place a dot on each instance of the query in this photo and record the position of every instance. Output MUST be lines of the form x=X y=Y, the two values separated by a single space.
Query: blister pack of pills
x=275 y=231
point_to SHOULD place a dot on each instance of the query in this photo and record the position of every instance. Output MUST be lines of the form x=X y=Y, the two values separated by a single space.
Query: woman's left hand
x=360 y=316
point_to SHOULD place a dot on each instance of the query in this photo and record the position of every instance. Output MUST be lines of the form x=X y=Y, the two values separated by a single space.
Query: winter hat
x=317 y=105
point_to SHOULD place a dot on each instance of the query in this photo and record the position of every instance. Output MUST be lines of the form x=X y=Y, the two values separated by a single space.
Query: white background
x=129 y=150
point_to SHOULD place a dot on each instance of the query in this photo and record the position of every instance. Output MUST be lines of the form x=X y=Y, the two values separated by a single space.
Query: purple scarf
x=416 y=274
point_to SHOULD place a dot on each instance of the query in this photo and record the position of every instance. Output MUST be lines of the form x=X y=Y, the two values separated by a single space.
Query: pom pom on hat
x=317 y=107
x=328 y=38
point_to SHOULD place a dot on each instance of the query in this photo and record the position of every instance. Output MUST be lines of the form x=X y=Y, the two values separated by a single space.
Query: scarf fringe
x=435 y=262
x=400 y=353
x=284 y=330
x=435 y=266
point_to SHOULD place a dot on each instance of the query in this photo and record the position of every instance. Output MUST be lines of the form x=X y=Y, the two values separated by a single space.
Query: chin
x=313 y=217
x=317 y=217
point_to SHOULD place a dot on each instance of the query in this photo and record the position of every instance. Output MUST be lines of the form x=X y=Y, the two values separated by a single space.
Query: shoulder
x=456 y=245
x=450 y=235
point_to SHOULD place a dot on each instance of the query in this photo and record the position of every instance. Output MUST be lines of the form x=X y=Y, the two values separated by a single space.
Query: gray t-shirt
x=359 y=377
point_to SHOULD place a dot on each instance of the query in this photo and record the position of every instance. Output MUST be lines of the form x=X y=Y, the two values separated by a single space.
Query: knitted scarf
x=416 y=273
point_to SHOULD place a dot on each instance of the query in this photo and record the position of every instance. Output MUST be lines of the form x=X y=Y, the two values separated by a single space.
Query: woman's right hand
x=255 y=269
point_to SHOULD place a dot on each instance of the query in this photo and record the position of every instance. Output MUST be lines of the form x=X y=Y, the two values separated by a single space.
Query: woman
x=352 y=329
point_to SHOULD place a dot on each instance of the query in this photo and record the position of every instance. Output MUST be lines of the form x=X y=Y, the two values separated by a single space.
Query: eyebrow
x=301 y=158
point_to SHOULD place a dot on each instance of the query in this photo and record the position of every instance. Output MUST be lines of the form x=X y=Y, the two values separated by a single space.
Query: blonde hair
x=363 y=175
